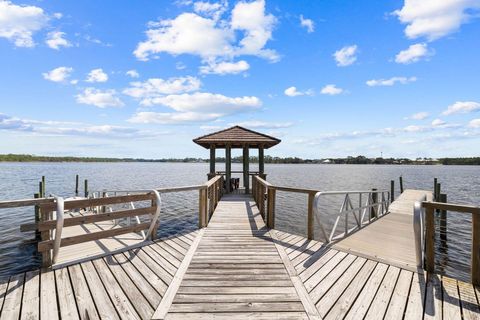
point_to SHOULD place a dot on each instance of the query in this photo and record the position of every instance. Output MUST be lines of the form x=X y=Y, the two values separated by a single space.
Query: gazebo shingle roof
x=237 y=137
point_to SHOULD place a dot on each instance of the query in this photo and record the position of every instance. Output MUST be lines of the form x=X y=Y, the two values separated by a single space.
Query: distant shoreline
x=268 y=159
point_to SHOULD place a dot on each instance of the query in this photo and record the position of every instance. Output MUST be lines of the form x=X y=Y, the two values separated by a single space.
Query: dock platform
x=235 y=268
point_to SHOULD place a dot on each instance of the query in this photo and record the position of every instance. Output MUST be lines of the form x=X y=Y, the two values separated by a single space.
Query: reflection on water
x=179 y=211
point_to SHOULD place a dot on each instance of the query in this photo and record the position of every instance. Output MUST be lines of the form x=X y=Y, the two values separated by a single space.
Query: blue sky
x=330 y=78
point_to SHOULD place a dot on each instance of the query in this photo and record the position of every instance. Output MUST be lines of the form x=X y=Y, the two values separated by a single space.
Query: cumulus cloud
x=413 y=53
x=99 y=98
x=293 y=92
x=224 y=67
x=56 y=39
x=418 y=116
x=307 y=23
x=132 y=73
x=331 y=89
x=475 y=123
x=205 y=35
x=197 y=107
x=18 y=23
x=97 y=75
x=435 y=19
x=390 y=82
x=346 y=56
x=59 y=74
x=462 y=107
x=214 y=10
x=156 y=87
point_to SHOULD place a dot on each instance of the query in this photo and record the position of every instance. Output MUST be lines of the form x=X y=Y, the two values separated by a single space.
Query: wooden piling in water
x=373 y=209
x=401 y=184
x=85 y=187
x=76 y=185
x=392 y=191
x=435 y=181
x=43 y=187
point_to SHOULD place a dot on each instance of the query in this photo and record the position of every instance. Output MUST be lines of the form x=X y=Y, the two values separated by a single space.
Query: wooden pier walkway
x=235 y=268
x=390 y=239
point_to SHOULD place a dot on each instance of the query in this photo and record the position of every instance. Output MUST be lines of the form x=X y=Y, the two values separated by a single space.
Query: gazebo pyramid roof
x=237 y=137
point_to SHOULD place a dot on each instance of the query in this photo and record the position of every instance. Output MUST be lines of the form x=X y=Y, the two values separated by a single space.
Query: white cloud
x=18 y=23
x=390 y=82
x=255 y=124
x=462 y=107
x=172 y=117
x=307 y=23
x=346 y=56
x=414 y=128
x=97 y=75
x=434 y=19
x=223 y=68
x=414 y=53
x=438 y=123
x=59 y=74
x=99 y=98
x=211 y=38
x=56 y=39
x=293 y=92
x=156 y=87
x=475 y=123
x=196 y=107
x=214 y=10
x=331 y=89
x=208 y=102
x=132 y=73
x=418 y=116
x=211 y=128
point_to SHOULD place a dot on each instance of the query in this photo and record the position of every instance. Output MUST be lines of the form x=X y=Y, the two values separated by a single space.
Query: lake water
x=179 y=211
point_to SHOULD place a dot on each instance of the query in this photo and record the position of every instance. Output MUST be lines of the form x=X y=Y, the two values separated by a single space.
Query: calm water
x=179 y=212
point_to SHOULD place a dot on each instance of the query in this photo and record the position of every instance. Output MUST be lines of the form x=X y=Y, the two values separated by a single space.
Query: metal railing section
x=418 y=230
x=372 y=204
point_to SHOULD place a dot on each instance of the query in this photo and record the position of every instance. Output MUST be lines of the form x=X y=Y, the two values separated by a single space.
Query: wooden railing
x=49 y=225
x=264 y=194
x=430 y=208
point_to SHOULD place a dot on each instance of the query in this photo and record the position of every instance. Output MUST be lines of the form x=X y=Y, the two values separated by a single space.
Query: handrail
x=418 y=223
x=155 y=217
x=58 y=230
x=372 y=203
x=430 y=208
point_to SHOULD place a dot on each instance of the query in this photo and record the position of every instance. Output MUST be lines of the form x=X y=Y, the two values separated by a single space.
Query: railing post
x=443 y=218
x=201 y=208
x=271 y=208
x=429 y=239
x=310 y=216
x=392 y=191
x=476 y=248
x=373 y=209
x=262 y=202
x=44 y=236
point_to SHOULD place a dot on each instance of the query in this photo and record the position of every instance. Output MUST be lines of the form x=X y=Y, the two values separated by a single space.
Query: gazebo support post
x=246 y=169
x=261 y=163
x=212 y=173
x=228 y=167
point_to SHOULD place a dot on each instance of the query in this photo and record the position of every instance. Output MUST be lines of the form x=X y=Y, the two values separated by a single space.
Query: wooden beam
x=246 y=166
x=75 y=221
x=68 y=241
x=228 y=167
x=430 y=240
x=261 y=160
x=310 y=216
x=212 y=159
x=475 y=249
x=271 y=208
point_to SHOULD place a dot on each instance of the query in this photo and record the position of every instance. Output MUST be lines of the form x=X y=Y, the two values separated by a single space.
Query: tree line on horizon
x=253 y=159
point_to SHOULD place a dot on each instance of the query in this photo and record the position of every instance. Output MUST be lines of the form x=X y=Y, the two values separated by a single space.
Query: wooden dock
x=235 y=268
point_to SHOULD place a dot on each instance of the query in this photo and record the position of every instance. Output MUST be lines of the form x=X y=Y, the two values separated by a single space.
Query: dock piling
x=392 y=191
x=76 y=185
x=401 y=184
x=85 y=186
x=373 y=209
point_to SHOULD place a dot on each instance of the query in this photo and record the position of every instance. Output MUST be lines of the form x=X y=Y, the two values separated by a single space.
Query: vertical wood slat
x=475 y=272
x=310 y=217
x=429 y=239
x=201 y=207
x=271 y=208
x=45 y=236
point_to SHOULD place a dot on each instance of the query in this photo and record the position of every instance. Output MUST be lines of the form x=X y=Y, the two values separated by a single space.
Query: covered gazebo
x=236 y=138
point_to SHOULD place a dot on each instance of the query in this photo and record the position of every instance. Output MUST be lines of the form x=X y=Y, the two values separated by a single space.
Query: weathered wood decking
x=390 y=239
x=236 y=269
